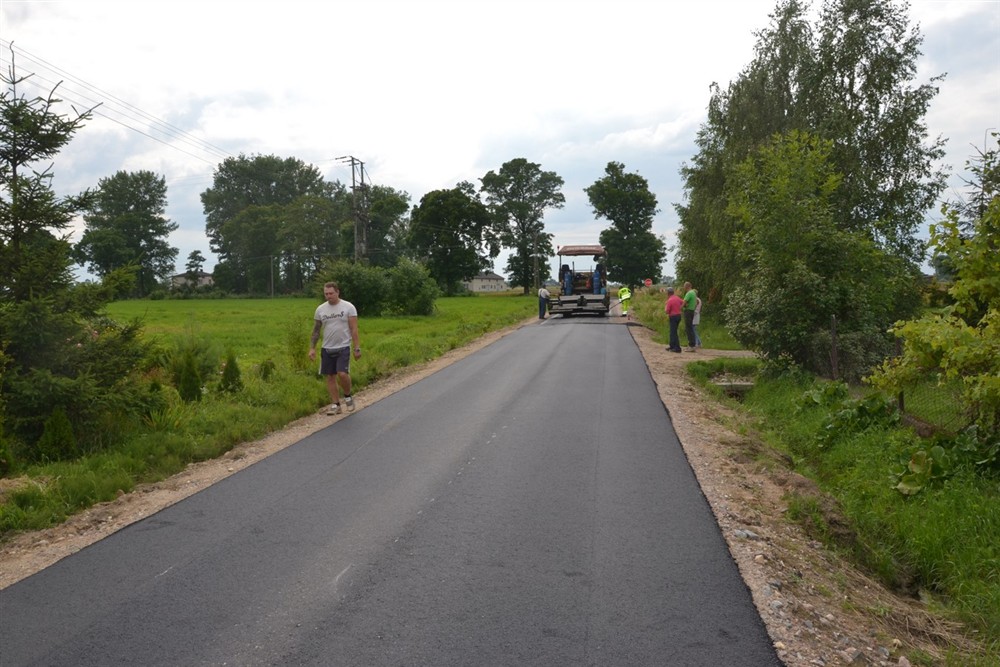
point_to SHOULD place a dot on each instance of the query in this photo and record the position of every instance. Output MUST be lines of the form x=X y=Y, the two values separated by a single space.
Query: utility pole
x=538 y=282
x=359 y=190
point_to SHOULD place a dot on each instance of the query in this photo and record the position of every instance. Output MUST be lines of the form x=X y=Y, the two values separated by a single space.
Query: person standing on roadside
x=697 y=321
x=673 y=309
x=690 y=305
x=624 y=297
x=338 y=321
x=543 y=302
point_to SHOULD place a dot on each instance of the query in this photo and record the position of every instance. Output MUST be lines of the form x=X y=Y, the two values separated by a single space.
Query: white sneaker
x=349 y=402
x=334 y=409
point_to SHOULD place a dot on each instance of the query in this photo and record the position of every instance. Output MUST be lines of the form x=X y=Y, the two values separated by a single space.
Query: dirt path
x=818 y=610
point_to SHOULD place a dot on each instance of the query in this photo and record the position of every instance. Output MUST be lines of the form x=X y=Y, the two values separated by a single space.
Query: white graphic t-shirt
x=336 y=332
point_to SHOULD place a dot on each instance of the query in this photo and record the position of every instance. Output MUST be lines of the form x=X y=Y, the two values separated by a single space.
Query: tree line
x=803 y=204
x=274 y=222
x=71 y=378
x=812 y=178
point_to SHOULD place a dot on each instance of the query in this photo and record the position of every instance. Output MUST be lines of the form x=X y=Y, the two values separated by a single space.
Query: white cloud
x=431 y=92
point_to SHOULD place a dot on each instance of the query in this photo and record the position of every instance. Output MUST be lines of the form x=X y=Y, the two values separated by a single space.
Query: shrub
x=57 y=442
x=231 y=382
x=961 y=343
x=412 y=290
x=266 y=370
x=189 y=379
x=367 y=287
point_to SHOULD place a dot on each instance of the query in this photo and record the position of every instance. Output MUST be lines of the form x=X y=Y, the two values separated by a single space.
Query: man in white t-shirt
x=338 y=321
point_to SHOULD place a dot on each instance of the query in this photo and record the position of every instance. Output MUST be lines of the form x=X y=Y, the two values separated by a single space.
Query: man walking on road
x=338 y=321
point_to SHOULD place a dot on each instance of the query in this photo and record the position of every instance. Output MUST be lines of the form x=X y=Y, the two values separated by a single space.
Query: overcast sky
x=428 y=94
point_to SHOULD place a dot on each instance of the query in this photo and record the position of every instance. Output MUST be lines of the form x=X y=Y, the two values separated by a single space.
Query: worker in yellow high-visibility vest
x=624 y=296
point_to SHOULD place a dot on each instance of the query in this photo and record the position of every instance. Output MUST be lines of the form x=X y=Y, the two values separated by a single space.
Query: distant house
x=195 y=280
x=487 y=282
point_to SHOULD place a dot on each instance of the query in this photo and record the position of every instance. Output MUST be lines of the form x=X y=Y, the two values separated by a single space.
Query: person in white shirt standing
x=338 y=321
x=543 y=302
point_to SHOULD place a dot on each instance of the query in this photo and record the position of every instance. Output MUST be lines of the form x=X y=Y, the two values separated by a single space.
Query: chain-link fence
x=933 y=406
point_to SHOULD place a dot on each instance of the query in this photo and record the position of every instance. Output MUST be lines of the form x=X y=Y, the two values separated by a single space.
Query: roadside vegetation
x=799 y=227
x=252 y=376
x=921 y=514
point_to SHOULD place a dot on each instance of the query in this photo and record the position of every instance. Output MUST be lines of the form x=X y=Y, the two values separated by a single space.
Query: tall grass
x=942 y=543
x=262 y=333
x=647 y=307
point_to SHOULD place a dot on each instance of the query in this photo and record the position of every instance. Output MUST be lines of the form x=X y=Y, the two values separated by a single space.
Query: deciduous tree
x=849 y=80
x=279 y=186
x=125 y=225
x=802 y=269
x=447 y=232
x=625 y=200
x=517 y=196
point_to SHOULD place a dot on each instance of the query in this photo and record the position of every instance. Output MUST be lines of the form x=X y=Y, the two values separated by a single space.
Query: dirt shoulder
x=818 y=610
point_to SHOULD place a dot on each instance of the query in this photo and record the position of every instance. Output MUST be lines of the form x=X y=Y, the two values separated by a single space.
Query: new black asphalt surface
x=528 y=505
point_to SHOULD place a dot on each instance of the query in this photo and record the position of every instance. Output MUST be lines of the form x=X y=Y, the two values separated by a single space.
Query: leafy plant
x=960 y=344
x=925 y=467
x=856 y=415
x=846 y=415
x=823 y=394
x=412 y=290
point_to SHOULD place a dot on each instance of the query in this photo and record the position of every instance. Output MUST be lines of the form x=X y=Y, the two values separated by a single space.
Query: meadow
x=270 y=341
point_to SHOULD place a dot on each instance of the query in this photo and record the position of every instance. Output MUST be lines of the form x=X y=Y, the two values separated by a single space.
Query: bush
x=57 y=442
x=858 y=353
x=189 y=379
x=412 y=290
x=960 y=343
x=367 y=287
x=231 y=382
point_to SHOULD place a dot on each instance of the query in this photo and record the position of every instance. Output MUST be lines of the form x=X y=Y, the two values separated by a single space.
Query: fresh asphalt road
x=528 y=505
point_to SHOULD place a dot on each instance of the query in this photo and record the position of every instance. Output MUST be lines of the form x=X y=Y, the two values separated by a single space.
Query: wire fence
x=933 y=406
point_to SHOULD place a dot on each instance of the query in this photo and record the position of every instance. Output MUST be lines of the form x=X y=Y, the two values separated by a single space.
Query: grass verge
x=271 y=334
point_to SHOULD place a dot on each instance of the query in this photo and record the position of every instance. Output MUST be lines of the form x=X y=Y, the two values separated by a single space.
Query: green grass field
x=164 y=442
x=278 y=329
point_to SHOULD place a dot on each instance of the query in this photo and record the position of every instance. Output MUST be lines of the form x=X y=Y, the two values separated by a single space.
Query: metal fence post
x=899 y=399
x=833 y=347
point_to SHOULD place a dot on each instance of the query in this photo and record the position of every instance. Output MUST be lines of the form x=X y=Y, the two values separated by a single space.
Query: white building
x=487 y=282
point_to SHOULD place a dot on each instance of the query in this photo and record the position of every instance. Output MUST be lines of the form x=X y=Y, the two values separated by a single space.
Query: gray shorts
x=335 y=361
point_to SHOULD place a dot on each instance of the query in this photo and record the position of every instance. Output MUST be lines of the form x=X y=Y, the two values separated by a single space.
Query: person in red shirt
x=673 y=309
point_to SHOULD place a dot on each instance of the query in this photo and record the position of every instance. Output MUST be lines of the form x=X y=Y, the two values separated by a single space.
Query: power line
x=110 y=107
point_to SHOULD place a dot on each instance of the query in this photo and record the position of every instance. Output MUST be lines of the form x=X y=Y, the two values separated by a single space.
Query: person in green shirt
x=690 y=304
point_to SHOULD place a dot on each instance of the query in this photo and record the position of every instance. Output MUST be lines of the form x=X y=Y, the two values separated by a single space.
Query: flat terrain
x=814 y=606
